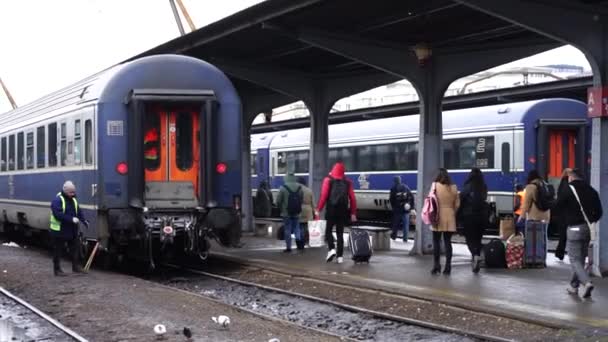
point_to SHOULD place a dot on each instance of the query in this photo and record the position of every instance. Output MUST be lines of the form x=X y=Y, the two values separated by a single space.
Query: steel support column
x=318 y=165
x=584 y=27
x=430 y=152
x=246 y=198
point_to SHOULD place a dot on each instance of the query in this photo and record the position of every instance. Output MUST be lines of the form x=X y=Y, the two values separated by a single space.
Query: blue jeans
x=401 y=220
x=291 y=225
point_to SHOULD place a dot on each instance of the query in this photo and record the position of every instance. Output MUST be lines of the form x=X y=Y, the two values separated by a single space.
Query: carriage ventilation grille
x=115 y=128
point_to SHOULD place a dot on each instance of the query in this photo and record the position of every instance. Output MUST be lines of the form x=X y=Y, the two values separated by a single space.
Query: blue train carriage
x=505 y=141
x=143 y=143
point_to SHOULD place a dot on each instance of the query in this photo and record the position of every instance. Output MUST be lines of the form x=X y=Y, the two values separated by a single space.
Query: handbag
x=592 y=226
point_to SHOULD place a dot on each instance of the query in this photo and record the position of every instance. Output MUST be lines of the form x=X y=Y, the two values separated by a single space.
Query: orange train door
x=561 y=151
x=171 y=146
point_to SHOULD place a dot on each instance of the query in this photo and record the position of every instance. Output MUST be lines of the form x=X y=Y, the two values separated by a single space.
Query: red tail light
x=221 y=168
x=122 y=168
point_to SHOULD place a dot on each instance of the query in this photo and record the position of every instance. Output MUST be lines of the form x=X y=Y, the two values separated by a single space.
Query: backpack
x=294 y=202
x=338 y=195
x=430 y=209
x=545 y=196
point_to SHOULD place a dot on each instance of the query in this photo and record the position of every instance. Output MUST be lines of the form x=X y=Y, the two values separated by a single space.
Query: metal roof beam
x=289 y=82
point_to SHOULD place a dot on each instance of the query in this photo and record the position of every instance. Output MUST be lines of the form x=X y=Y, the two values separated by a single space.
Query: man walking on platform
x=337 y=192
x=581 y=207
x=64 y=220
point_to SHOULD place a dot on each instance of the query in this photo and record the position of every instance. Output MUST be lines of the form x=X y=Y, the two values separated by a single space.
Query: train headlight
x=221 y=168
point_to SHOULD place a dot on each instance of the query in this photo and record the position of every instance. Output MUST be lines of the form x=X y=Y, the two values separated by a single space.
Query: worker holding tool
x=64 y=220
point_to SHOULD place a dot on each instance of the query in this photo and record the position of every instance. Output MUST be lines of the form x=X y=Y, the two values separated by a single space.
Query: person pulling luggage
x=337 y=192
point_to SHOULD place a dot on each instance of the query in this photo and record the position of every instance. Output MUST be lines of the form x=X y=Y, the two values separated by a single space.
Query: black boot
x=59 y=273
x=436 y=268
x=77 y=269
x=447 y=270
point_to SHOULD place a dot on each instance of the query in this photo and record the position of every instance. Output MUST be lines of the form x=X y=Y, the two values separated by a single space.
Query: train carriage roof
x=491 y=117
x=114 y=84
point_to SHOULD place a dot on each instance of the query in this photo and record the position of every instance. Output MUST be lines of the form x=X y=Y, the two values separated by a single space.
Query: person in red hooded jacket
x=337 y=192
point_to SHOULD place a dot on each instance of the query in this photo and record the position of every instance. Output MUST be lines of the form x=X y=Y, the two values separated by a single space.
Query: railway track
x=20 y=321
x=389 y=317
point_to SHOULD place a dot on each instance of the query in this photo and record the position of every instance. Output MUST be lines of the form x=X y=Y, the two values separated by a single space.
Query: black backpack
x=494 y=254
x=294 y=202
x=545 y=196
x=338 y=195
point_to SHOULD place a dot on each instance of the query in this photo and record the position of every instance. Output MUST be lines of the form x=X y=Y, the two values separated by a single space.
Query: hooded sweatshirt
x=337 y=173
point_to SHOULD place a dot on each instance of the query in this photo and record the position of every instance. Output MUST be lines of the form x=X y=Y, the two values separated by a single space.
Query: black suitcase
x=360 y=245
x=494 y=254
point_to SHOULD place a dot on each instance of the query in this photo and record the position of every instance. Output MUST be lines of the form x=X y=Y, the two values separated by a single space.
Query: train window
x=406 y=156
x=152 y=142
x=3 y=161
x=20 y=154
x=293 y=162
x=88 y=142
x=468 y=153
x=345 y=155
x=64 y=144
x=77 y=143
x=365 y=158
x=183 y=149
x=11 y=152
x=506 y=157
x=52 y=143
x=253 y=163
x=40 y=150
x=29 y=150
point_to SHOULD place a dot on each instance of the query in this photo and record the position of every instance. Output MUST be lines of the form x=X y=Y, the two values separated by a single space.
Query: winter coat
x=337 y=173
x=307 y=205
x=283 y=197
x=590 y=201
x=472 y=204
x=448 y=200
x=69 y=229
x=529 y=205
x=263 y=202
x=395 y=204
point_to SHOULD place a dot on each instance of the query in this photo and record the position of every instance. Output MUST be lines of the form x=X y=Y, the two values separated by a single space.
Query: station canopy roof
x=262 y=36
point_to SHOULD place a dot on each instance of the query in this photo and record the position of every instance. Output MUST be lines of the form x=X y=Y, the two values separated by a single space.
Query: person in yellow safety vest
x=64 y=219
x=151 y=144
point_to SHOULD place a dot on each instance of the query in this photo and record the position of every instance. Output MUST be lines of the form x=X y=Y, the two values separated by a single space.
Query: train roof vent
x=504 y=110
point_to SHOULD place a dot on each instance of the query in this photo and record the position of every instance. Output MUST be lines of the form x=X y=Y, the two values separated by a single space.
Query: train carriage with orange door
x=143 y=143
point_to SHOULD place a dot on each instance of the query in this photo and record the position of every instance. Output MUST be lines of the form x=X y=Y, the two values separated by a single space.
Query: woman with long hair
x=474 y=212
x=447 y=198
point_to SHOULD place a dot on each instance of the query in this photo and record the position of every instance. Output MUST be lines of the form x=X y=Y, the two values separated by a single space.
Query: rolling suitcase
x=535 y=244
x=360 y=245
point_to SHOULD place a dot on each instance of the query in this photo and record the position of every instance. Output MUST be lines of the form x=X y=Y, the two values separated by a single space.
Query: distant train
x=140 y=141
x=505 y=141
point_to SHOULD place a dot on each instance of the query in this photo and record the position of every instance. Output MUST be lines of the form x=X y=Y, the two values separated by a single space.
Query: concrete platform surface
x=537 y=295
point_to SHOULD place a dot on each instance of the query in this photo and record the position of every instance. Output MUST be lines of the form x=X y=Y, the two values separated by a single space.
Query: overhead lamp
x=423 y=53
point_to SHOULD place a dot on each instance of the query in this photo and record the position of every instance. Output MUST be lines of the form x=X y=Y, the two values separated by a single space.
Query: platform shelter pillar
x=318 y=165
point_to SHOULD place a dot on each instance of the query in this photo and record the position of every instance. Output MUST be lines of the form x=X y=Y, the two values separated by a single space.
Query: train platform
x=534 y=295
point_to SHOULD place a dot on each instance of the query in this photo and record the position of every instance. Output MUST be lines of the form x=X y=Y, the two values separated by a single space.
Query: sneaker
x=340 y=260
x=587 y=290
x=287 y=250
x=330 y=255
x=572 y=290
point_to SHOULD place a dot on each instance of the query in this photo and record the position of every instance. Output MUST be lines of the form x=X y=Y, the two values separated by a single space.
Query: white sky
x=48 y=44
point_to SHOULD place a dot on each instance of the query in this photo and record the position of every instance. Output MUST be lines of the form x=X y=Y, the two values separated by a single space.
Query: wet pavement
x=536 y=295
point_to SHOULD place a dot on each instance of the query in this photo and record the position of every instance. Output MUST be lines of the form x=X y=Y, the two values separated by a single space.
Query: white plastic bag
x=316 y=232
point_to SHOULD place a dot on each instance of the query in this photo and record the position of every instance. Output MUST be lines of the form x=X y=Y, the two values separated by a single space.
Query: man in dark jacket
x=64 y=220
x=402 y=202
x=579 y=212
